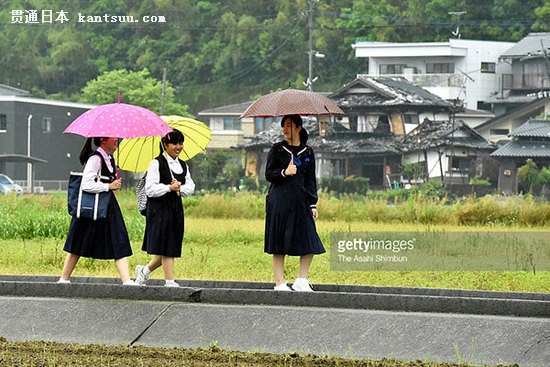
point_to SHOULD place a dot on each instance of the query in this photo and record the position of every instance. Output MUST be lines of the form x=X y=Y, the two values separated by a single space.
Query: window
x=3 y=123
x=264 y=123
x=46 y=125
x=483 y=106
x=410 y=118
x=367 y=123
x=336 y=167
x=488 y=67
x=440 y=68
x=392 y=68
x=499 y=131
x=460 y=164
x=230 y=123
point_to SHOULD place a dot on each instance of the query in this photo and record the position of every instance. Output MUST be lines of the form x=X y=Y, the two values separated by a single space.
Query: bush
x=528 y=178
x=338 y=185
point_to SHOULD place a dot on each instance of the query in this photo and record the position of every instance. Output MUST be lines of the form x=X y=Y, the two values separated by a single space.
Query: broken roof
x=342 y=141
x=386 y=91
x=433 y=134
x=358 y=143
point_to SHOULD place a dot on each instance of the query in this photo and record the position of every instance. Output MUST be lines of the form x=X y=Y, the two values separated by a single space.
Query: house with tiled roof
x=498 y=128
x=448 y=151
x=388 y=105
x=529 y=76
x=529 y=141
x=379 y=112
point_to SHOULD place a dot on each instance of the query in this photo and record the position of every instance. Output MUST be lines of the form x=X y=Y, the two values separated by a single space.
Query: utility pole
x=29 y=163
x=458 y=14
x=310 y=52
x=163 y=91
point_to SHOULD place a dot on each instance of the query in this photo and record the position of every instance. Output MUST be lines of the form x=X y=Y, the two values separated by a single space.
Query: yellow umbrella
x=135 y=154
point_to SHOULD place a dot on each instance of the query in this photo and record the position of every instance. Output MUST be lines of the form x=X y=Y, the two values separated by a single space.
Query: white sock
x=128 y=282
x=168 y=281
x=146 y=270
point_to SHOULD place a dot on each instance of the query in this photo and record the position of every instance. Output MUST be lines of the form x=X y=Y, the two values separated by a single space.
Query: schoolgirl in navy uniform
x=103 y=238
x=168 y=178
x=291 y=205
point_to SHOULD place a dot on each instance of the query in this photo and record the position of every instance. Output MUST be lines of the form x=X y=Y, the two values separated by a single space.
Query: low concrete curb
x=256 y=293
x=348 y=321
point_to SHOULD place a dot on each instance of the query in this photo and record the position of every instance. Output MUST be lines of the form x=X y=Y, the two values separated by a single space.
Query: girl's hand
x=314 y=213
x=115 y=185
x=175 y=185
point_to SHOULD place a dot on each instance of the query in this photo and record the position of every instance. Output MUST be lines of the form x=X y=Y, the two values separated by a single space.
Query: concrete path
x=356 y=322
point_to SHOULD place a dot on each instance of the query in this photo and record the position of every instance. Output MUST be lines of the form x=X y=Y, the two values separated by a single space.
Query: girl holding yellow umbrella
x=167 y=179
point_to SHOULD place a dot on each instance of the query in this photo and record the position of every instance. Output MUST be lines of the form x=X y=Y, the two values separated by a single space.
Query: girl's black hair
x=87 y=150
x=297 y=119
x=175 y=137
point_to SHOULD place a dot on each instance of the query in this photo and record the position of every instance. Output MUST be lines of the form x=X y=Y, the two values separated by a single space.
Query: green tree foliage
x=137 y=88
x=218 y=52
x=528 y=177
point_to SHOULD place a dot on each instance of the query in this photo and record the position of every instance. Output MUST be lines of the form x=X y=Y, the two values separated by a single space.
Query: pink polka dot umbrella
x=118 y=120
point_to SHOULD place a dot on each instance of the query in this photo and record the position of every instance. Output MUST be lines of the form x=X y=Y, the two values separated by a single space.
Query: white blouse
x=89 y=174
x=153 y=187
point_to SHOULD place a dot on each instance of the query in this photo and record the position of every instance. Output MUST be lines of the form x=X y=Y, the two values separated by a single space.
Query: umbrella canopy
x=118 y=120
x=136 y=154
x=292 y=101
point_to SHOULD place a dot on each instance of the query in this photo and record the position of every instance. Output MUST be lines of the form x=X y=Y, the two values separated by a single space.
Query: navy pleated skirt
x=100 y=239
x=164 y=227
x=289 y=225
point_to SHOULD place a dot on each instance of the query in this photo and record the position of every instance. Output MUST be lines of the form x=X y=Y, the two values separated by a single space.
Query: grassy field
x=224 y=241
x=232 y=249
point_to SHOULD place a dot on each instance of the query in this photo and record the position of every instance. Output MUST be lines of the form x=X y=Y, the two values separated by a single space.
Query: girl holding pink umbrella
x=105 y=238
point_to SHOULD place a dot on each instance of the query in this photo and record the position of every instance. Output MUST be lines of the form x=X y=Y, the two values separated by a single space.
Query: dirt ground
x=46 y=354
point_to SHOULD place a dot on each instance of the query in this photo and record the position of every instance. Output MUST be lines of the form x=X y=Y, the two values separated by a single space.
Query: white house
x=465 y=70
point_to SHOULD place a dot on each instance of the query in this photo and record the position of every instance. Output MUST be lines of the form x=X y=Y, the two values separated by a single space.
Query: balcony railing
x=525 y=81
x=430 y=80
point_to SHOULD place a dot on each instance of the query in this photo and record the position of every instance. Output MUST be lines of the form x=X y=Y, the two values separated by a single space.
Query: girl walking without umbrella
x=291 y=206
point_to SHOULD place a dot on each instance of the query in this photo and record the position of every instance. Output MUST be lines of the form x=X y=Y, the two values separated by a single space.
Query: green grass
x=223 y=243
x=232 y=249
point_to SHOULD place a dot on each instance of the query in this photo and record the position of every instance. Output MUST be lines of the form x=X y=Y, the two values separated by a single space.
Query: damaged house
x=381 y=132
x=380 y=112
x=449 y=151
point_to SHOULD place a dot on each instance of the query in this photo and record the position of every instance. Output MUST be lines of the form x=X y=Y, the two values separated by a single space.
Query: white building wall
x=467 y=83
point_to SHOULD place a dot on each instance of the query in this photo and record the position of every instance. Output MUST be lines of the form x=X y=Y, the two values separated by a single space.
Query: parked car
x=7 y=186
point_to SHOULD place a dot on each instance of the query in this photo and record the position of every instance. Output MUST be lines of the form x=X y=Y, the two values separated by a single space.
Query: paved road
x=357 y=322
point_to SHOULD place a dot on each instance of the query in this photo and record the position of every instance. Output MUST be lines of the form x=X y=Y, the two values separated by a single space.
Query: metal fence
x=44 y=186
